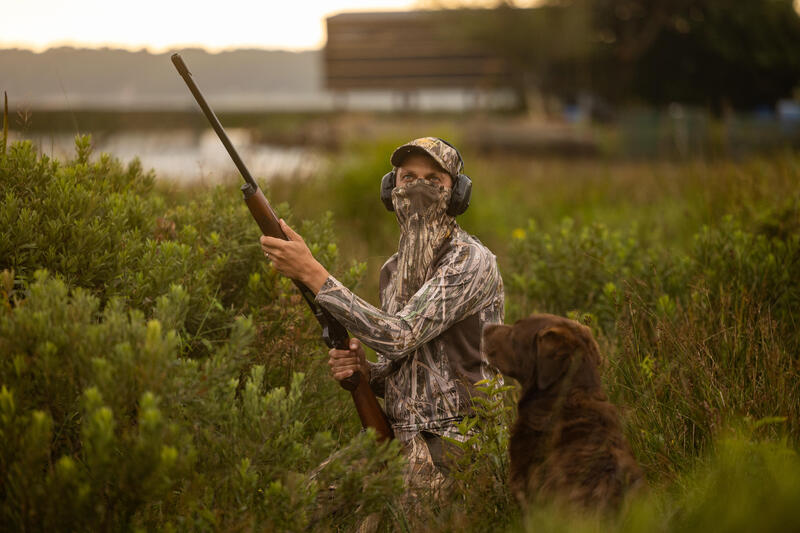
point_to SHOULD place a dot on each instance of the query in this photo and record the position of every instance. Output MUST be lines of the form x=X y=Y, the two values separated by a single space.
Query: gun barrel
x=333 y=332
x=183 y=70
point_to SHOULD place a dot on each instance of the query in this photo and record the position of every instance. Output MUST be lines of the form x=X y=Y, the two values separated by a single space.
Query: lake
x=190 y=156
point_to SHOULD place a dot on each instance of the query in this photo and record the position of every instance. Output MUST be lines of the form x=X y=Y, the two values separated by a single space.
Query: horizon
x=78 y=47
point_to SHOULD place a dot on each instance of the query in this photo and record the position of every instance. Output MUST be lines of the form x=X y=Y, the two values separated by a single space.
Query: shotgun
x=333 y=332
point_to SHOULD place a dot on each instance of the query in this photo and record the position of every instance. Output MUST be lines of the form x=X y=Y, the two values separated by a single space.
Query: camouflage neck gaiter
x=421 y=210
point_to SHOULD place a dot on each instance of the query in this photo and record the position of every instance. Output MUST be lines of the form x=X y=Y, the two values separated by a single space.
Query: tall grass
x=688 y=273
x=162 y=376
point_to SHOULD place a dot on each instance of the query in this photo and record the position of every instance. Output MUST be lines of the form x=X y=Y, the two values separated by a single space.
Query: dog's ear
x=554 y=347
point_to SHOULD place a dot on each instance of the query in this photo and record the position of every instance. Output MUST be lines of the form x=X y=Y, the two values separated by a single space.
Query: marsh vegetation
x=157 y=374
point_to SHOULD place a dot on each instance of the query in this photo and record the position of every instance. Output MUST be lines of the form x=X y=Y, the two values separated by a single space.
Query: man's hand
x=344 y=363
x=293 y=259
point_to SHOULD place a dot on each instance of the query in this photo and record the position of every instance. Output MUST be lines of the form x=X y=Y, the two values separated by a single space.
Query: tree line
x=700 y=52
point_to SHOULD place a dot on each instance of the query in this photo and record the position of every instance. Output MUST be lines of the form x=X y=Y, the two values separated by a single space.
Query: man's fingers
x=290 y=233
x=339 y=354
x=344 y=363
x=266 y=245
x=271 y=243
x=273 y=248
x=343 y=368
x=340 y=374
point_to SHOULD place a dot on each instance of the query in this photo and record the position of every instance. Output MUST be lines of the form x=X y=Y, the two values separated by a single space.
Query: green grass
x=153 y=376
x=685 y=271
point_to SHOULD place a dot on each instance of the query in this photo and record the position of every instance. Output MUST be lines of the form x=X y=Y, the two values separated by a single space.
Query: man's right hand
x=344 y=363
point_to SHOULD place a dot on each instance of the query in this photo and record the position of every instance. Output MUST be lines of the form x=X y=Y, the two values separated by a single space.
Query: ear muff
x=459 y=197
x=462 y=187
x=387 y=184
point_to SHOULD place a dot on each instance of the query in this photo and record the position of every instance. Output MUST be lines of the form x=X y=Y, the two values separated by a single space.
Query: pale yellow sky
x=160 y=25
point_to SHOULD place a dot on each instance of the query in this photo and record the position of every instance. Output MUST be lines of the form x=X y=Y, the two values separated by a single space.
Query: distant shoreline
x=80 y=78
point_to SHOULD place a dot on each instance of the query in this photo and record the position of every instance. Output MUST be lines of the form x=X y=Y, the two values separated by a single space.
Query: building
x=415 y=59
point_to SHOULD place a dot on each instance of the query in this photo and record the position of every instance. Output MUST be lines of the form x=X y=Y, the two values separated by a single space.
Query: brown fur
x=567 y=444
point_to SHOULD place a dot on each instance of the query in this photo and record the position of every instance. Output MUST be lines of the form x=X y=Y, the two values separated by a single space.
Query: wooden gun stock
x=333 y=332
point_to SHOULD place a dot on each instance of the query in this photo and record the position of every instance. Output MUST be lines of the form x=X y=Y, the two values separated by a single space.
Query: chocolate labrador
x=567 y=443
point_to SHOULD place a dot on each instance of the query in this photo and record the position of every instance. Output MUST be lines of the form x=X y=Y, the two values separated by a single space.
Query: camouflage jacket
x=429 y=354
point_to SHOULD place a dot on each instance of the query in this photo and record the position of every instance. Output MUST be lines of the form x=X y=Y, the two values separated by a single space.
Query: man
x=437 y=292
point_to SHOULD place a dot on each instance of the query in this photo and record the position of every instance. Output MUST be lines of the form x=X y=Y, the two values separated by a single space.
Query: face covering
x=421 y=210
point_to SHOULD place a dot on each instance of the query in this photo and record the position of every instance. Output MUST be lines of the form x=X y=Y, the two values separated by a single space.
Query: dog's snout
x=494 y=342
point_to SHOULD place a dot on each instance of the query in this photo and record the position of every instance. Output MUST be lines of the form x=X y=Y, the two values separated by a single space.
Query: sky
x=161 y=25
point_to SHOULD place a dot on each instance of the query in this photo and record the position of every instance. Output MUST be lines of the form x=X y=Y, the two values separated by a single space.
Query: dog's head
x=541 y=349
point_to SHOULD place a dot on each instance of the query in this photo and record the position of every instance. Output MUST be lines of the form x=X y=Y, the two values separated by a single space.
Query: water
x=189 y=156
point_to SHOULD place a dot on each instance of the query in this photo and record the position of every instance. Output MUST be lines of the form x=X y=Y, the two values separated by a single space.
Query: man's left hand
x=293 y=259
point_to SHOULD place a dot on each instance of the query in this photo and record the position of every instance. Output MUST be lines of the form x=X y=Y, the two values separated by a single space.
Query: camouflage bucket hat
x=441 y=152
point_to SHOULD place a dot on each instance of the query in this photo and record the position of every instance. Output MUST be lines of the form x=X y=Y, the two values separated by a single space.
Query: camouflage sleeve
x=459 y=287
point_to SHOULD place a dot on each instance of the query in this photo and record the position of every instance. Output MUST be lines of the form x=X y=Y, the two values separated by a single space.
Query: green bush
x=157 y=374
x=106 y=426
x=85 y=220
x=573 y=269
x=692 y=339
x=481 y=471
x=136 y=392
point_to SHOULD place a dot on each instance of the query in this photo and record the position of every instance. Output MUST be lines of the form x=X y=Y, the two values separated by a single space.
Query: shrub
x=481 y=500
x=135 y=391
x=574 y=269
x=100 y=404
x=692 y=339
x=85 y=220
x=156 y=373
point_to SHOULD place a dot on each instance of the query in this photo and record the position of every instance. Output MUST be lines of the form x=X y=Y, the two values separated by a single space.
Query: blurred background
x=635 y=167
x=616 y=111
x=575 y=78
